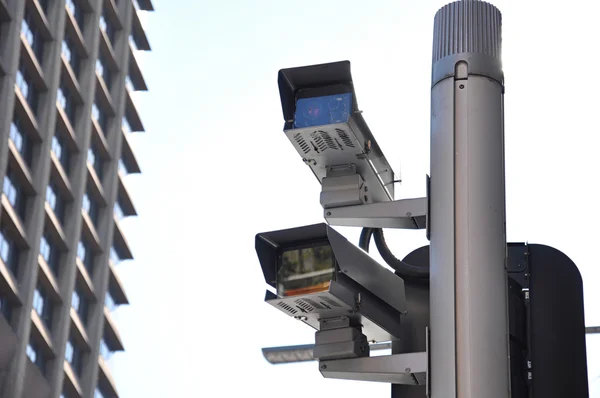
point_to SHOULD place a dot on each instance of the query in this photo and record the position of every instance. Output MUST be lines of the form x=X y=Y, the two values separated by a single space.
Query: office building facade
x=67 y=72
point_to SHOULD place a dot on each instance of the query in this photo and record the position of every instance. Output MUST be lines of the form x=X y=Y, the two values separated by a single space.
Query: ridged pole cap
x=471 y=31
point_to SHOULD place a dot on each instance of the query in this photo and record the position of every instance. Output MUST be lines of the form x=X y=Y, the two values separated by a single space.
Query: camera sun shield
x=317 y=274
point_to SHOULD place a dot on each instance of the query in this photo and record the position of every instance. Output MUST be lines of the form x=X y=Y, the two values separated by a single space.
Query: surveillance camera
x=322 y=279
x=325 y=126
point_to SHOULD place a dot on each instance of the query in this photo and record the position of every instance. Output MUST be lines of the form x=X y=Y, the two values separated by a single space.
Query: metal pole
x=469 y=320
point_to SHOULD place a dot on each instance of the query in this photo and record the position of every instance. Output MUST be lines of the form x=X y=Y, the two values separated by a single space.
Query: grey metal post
x=469 y=320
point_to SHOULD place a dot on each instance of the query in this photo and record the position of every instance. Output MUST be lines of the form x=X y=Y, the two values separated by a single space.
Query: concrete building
x=67 y=70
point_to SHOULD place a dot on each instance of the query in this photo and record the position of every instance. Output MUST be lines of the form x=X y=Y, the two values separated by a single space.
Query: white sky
x=217 y=169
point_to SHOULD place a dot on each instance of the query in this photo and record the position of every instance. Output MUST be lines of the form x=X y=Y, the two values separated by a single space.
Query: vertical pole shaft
x=469 y=319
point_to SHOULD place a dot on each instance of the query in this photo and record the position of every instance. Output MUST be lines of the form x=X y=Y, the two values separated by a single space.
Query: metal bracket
x=404 y=213
x=343 y=186
x=337 y=338
x=408 y=368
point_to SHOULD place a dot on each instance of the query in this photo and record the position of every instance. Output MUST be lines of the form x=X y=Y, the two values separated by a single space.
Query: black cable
x=365 y=239
x=404 y=269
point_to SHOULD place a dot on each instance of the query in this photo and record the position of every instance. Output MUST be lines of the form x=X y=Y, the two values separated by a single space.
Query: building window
x=31 y=353
x=56 y=147
x=103 y=121
x=114 y=256
x=102 y=23
x=86 y=203
x=129 y=84
x=36 y=356
x=95 y=112
x=45 y=249
x=99 y=115
x=16 y=136
x=6 y=308
x=109 y=301
x=93 y=212
x=122 y=167
x=73 y=6
x=74 y=355
x=55 y=201
x=119 y=213
x=27 y=32
x=125 y=126
x=22 y=84
x=66 y=51
x=104 y=350
x=90 y=207
x=95 y=160
x=27 y=88
x=64 y=98
x=103 y=71
x=50 y=254
x=91 y=156
x=75 y=300
x=9 y=252
x=69 y=351
x=99 y=67
x=45 y=4
x=61 y=151
x=85 y=255
x=32 y=36
x=108 y=28
x=21 y=141
x=15 y=194
x=80 y=305
x=132 y=42
x=10 y=190
x=70 y=53
x=60 y=97
x=98 y=393
x=51 y=196
x=43 y=306
x=81 y=251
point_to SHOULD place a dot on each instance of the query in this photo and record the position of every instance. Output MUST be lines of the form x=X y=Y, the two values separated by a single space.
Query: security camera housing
x=360 y=289
x=324 y=124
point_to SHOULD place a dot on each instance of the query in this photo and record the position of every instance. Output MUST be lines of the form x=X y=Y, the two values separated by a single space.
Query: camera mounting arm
x=409 y=368
x=347 y=202
x=404 y=214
